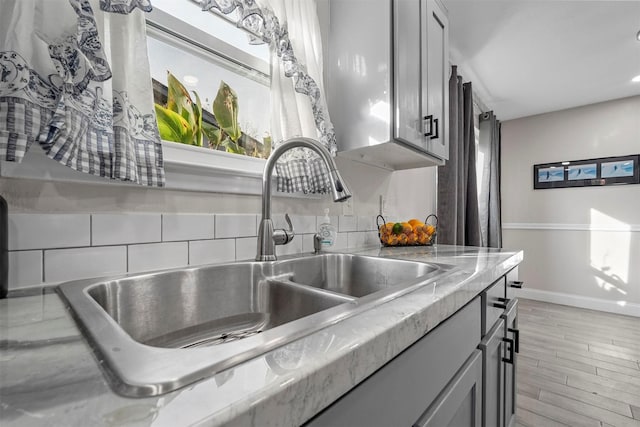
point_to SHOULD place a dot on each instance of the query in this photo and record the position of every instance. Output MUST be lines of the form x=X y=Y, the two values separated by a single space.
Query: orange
x=415 y=223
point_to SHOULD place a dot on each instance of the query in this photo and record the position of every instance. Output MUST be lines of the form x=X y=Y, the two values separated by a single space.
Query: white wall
x=585 y=241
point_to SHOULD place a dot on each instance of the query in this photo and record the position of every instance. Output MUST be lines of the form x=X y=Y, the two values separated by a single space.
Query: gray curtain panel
x=458 y=220
x=490 y=214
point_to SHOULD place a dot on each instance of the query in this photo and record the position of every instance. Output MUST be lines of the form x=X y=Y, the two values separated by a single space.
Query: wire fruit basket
x=411 y=233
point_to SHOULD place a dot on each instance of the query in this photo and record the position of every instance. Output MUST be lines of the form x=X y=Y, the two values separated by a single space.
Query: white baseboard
x=629 y=309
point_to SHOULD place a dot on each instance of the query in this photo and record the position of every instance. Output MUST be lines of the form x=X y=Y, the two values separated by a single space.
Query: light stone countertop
x=49 y=376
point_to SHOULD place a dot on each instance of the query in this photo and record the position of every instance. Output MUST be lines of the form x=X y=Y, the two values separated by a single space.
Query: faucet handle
x=282 y=236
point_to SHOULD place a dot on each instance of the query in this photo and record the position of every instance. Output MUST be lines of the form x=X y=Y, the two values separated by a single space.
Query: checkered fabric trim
x=303 y=175
x=77 y=144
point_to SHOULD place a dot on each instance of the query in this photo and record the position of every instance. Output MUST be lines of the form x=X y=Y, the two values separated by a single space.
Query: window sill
x=187 y=168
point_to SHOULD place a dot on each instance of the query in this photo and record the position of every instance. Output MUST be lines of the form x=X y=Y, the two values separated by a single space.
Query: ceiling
x=531 y=57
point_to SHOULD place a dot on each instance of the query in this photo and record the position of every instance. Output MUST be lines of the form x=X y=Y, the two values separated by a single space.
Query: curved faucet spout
x=266 y=242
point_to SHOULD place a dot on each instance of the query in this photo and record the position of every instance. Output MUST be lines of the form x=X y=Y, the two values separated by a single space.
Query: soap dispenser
x=327 y=231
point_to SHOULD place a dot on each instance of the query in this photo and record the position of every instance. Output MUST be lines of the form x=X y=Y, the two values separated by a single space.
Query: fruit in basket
x=429 y=229
x=402 y=239
x=423 y=238
x=397 y=228
x=412 y=238
x=416 y=223
x=406 y=228
x=391 y=240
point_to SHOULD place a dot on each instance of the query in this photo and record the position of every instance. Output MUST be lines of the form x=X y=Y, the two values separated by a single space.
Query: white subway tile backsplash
x=44 y=231
x=246 y=248
x=187 y=227
x=118 y=229
x=371 y=238
x=340 y=242
x=366 y=223
x=304 y=224
x=82 y=263
x=307 y=243
x=212 y=251
x=158 y=256
x=25 y=268
x=291 y=248
x=232 y=225
x=355 y=239
x=347 y=223
x=363 y=238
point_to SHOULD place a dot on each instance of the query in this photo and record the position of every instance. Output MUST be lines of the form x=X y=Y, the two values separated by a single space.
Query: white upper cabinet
x=387 y=81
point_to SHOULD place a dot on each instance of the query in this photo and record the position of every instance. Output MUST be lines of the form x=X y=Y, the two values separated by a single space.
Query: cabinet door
x=512 y=332
x=407 y=71
x=493 y=382
x=399 y=392
x=460 y=403
x=435 y=64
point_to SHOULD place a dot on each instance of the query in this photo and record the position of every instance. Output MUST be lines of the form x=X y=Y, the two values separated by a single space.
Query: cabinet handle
x=516 y=335
x=430 y=119
x=435 y=135
x=502 y=304
x=510 y=345
x=516 y=284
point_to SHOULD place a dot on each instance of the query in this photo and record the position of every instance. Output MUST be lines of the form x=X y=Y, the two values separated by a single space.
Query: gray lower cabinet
x=492 y=347
x=460 y=403
x=499 y=346
x=461 y=374
x=510 y=390
x=400 y=392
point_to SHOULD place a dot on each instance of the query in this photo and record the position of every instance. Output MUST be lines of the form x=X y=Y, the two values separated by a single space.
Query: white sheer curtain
x=291 y=111
x=291 y=29
x=75 y=80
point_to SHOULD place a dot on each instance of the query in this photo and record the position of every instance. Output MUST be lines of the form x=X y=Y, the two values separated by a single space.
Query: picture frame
x=587 y=173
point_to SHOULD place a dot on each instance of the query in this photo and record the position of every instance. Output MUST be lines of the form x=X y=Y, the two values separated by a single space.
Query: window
x=201 y=49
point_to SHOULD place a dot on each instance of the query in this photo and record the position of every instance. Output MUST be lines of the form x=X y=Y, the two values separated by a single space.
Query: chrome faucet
x=268 y=238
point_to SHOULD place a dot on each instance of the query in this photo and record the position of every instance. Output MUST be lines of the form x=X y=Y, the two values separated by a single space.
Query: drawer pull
x=516 y=335
x=516 y=284
x=510 y=346
x=502 y=304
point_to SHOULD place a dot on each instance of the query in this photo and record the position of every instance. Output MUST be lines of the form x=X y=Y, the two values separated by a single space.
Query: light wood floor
x=577 y=367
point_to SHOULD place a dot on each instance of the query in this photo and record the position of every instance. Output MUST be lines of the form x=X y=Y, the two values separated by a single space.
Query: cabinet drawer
x=513 y=282
x=399 y=392
x=493 y=304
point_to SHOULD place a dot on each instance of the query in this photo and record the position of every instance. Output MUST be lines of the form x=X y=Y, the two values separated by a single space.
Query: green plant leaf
x=177 y=95
x=179 y=100
x=172 y=126
x=213 y=134
x=197 y=110
x=232 y=147
x=225 y=109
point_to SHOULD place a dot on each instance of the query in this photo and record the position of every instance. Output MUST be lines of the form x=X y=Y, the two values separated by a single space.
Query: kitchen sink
x=353 y=274
x=156 y=332
x=206 y=306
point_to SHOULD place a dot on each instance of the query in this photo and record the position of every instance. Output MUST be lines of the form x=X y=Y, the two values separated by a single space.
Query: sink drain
x=222 y=339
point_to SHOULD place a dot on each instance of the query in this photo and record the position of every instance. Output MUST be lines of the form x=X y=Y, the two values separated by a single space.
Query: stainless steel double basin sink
x=156 y=332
